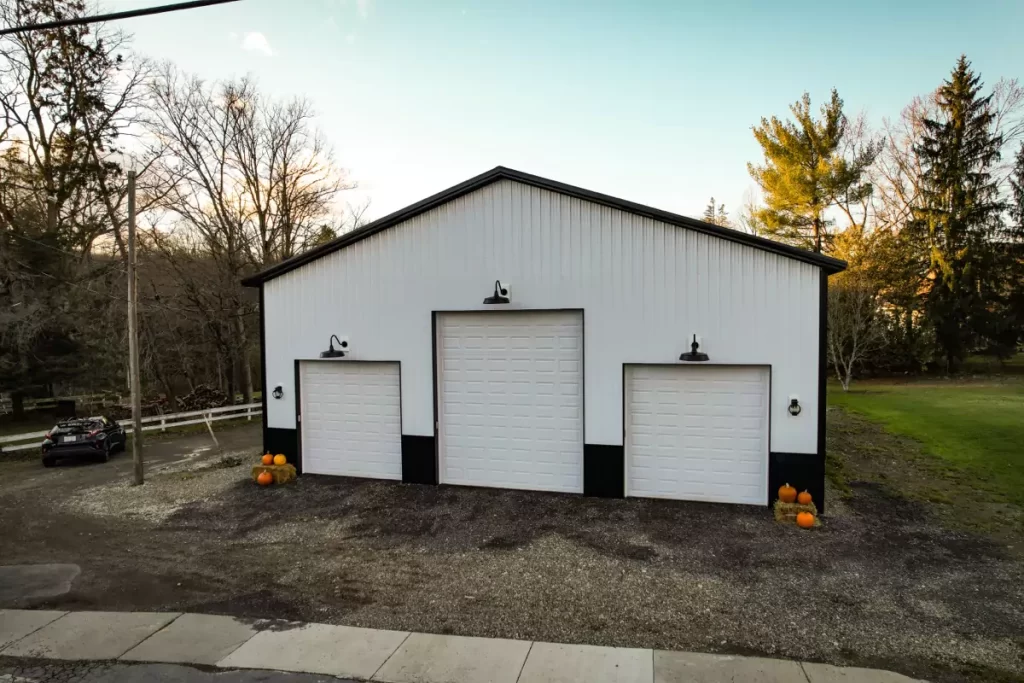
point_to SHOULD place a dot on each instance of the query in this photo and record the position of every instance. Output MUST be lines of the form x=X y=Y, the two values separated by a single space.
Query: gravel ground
x=880 y=584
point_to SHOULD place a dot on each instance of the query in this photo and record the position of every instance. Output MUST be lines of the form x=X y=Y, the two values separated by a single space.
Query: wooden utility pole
x=133 y=336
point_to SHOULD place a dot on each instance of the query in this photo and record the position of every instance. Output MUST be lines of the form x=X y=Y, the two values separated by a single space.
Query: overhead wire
x=113 y=16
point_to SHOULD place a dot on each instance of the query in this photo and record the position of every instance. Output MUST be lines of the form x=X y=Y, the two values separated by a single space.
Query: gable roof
x=827 y=263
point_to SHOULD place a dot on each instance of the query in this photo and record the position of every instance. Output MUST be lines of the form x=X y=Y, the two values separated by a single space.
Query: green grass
x=975 y=429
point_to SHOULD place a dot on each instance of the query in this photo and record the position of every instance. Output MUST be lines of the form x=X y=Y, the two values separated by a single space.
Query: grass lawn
x=975 y=429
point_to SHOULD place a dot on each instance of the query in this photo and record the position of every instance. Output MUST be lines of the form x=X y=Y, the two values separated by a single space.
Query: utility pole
x=133 y=336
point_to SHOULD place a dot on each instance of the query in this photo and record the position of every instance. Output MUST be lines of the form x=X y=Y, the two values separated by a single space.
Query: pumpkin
x=268 y=459
x=787 y=494
x=805 y=520
x=279 y=459
x=265 y=478
x=804 y=498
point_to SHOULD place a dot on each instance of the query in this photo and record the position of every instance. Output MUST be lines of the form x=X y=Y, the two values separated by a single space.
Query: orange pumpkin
x=268 y=459
x=805 y=520
x=279 y=459
x=804 y=498
x=265 y=478
x=787 y=494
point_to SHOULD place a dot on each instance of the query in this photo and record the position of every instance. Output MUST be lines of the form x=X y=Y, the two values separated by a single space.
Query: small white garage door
x=697 y=433
x=351 y=419
x=510 y=403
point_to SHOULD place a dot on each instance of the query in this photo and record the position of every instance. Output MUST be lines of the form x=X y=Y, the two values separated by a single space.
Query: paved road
x=160 y=452
x=38 y=671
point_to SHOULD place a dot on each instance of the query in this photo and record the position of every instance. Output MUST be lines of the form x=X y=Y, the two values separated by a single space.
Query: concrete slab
x=28 y=581
x=826 y=673
x=15 y=624
x=193 y=639
x=317 y=648
x=555 y=663
x=90 y=635
x=688 y=667
x=425 y=658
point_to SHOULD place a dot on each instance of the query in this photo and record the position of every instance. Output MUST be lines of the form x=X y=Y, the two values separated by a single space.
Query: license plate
x=69 y=439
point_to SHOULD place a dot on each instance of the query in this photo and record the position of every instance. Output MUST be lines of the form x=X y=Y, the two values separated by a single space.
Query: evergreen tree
x=1017 y=196
x=716 y=214
x=959 y=217
x=805 y=172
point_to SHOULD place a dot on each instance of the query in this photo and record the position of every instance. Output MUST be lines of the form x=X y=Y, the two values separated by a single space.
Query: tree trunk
x=18 y=405
x=243 y=357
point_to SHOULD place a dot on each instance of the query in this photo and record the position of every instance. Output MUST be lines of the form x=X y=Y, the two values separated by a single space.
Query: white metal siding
x=645 y=287
x=511 y=400
x=697 y=433
x=351 y=419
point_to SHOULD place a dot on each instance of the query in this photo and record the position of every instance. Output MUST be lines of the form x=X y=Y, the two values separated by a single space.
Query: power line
x=113 y=16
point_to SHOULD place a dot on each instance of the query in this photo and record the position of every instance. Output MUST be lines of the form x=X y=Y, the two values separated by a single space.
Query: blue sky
x=649 y=101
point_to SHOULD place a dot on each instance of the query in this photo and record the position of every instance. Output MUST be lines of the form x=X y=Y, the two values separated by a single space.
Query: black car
x=89 y=437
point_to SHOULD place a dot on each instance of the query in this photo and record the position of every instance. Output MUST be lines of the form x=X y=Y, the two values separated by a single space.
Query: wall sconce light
x=335 y=353
x=500 y=295
x=278 y=391
x=794 y=406
x=693 y=355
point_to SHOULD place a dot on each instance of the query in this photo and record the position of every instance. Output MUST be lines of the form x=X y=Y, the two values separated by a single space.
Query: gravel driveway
x=880 y=584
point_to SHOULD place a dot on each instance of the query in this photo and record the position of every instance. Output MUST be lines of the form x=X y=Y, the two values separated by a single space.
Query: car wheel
x=49 y=462
x=105 y=453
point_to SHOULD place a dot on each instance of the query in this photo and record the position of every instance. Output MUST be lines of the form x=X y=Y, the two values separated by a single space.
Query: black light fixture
x=335 y=353
x=794 y=406
x=693 y=355
x=500 y=295
x=278 y=391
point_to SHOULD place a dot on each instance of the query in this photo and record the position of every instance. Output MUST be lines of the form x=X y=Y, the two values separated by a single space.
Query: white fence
x=152 y=423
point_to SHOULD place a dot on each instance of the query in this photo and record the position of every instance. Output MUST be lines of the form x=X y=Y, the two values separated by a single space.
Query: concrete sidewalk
x=388 y=656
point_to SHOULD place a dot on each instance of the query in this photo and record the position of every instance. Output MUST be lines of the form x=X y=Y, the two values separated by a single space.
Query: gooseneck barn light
x=693 y=355
x=335 y=353
x=500 y=295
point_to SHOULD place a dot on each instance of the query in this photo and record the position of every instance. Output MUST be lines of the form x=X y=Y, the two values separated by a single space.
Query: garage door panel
x=697 y=433
x=513 y=382
x=351 y=419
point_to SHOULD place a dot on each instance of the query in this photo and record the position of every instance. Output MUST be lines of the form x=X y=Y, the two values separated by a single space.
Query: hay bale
x=787 y=512
x=282 y=473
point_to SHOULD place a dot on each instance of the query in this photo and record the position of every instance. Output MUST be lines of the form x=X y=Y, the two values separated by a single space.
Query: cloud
x=364 y=7
x=254 y=41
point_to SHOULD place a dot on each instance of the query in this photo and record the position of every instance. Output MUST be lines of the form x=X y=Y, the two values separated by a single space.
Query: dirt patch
x=882 y=583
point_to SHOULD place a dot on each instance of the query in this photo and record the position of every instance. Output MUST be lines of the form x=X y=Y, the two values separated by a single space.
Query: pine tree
x=1017 y=196
x=960 y=215
x=805 y=172
x=716 y=214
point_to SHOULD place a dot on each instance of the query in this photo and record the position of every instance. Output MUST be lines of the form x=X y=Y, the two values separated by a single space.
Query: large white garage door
x=697 y=433
x=510 y=400
x=351 y=419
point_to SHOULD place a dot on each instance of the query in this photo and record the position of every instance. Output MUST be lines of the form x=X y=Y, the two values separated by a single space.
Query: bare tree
x=244 y=181
x=853 y=329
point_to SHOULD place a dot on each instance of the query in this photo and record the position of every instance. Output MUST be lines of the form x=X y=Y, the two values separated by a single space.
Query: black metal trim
x=498 y=311
x=603 y=471
x=828 y=264
x=263 y=367
x=771 y=389
x=340 y=361
x=822 y=376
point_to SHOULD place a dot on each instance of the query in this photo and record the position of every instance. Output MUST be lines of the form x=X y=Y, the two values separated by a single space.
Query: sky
x=650 y=101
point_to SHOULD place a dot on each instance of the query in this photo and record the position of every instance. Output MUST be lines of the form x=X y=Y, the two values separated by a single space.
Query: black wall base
x=419 y=463
x=803 y=471
x=604 y=473
x=284 y=441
